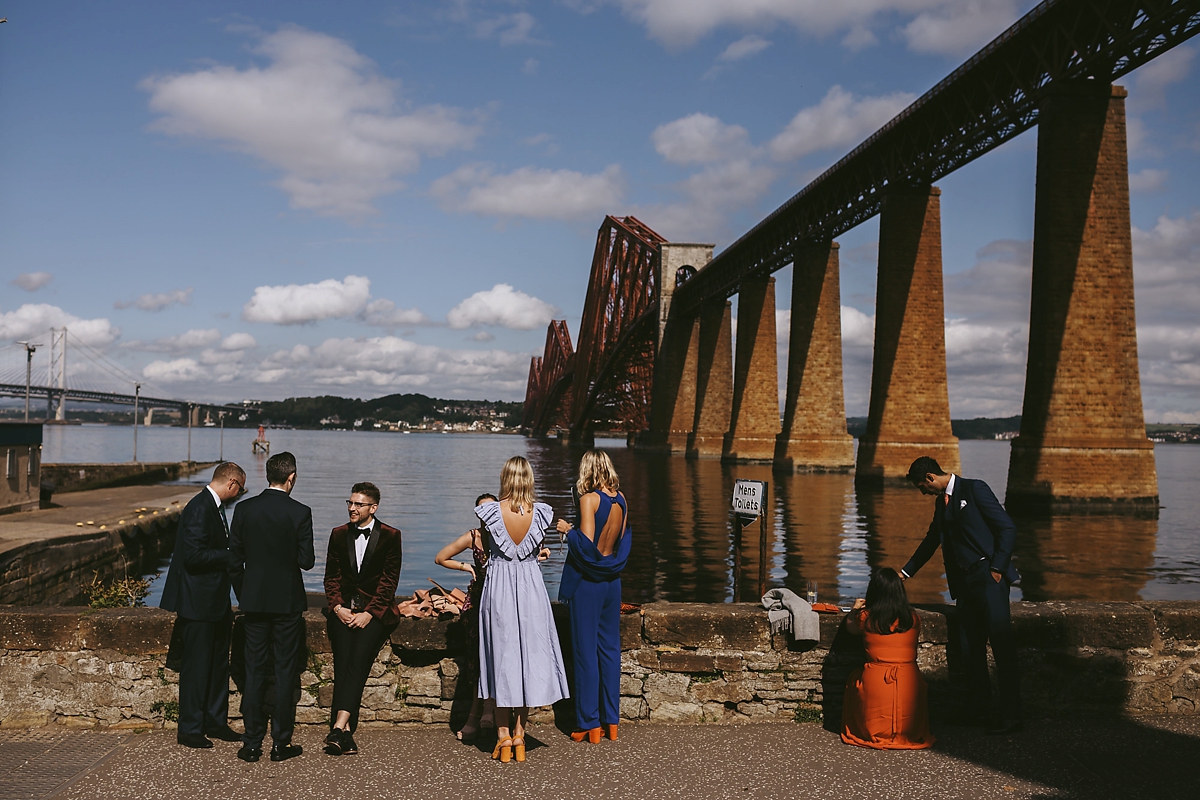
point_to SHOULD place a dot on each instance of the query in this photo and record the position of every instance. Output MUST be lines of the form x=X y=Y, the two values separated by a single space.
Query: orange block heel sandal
x=611 y=732
x=592 y=735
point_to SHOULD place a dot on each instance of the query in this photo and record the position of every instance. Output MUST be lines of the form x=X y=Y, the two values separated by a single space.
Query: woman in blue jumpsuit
x=591 y=587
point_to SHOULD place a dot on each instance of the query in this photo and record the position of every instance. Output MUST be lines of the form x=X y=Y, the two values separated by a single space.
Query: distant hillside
x=978 y=428
x=331 y=411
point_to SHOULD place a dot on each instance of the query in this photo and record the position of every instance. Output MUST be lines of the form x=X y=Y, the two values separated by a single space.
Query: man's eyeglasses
x=353 y=504
x=241 y=486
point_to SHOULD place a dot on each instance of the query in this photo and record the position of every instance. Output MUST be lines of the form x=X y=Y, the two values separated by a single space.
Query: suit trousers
x=354 y=651
x=276 y=638
x=203 y=675
x=984 y=617
x=596 y=648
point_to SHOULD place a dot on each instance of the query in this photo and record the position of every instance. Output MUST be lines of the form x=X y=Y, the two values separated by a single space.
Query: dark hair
x=486 y=496
x=227 y=470
x=888 y=610
x=367 y=488
x=922 y=467
x=280 y=467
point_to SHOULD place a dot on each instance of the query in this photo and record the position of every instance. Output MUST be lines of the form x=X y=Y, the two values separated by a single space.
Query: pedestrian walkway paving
x=1078 y=758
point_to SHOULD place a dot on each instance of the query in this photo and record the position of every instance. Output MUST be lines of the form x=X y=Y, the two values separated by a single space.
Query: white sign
x=748 y=498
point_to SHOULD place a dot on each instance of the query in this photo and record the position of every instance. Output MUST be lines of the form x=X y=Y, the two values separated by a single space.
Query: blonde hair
x=596 y=472
x=516 y=484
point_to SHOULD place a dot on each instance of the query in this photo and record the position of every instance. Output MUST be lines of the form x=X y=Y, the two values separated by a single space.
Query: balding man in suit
x=197 y=589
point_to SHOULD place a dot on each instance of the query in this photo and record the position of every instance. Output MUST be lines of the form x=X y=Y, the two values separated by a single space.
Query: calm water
x=820 y=527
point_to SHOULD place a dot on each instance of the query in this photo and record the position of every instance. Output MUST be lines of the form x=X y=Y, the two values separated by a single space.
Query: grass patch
x=805 y=714
x=169 y=710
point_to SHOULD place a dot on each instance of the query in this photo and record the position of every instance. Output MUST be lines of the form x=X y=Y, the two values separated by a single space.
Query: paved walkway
x=109 y=508
x=1143 y=758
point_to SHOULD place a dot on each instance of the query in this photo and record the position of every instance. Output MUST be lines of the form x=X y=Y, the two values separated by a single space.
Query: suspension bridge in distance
x=44 y=379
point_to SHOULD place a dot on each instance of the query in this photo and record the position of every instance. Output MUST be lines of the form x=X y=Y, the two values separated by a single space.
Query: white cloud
x=530 y=67
x=33 y=321
x=318 y=112
x=859 y=37
x=157 y=301
x=839 y=120
x=509 y=29
x=390 y=363
x=709 y=195
x=858 y=329
x=188 y=340
x=960 y=27
x=296 y=304
x=680 y=23
x=32 y=281
x=745 y=47
x=698 y=139
x=174 y=371
x=238 y=341
x=384 y=314
x=1148 y=180
x=1152 y=78
x=530 y=192
x=504 y=307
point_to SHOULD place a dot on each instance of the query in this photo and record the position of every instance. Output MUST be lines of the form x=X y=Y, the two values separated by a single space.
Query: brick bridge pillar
x=714 y=381
x=754 y=422
x=1083 y=436
x=673 y=394
x=814 y=437
x=910 y=407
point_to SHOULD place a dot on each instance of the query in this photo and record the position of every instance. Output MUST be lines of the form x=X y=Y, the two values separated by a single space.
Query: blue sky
x=273 y=199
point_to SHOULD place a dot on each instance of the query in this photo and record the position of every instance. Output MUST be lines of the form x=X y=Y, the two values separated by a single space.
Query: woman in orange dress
x=885 y=704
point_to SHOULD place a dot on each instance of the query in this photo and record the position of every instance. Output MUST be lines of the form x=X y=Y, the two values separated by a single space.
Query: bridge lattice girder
x=614 y=365
x=987 y=101
x=607 y=380
x=547 y=398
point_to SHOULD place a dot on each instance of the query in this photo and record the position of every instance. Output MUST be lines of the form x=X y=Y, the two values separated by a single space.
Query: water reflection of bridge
x=827 y=528
x=655 y=355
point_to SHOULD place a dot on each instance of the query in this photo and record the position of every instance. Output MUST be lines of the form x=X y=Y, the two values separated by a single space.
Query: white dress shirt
x=360 y=543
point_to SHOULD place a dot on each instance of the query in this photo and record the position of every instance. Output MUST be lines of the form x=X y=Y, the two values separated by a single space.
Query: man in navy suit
x=197 y=590
x=270 y=542
x=977 y=537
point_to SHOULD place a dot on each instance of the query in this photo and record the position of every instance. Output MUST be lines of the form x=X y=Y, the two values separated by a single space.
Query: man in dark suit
x=197 y=590
x=977 y=537
x=270 y=542
x=361 y=572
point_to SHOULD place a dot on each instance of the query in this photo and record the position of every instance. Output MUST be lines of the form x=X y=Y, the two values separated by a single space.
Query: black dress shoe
x=348 y=746
x=333 y=742
x=194 y=740
x=224 y=733
x=282 y=752
x=250 y=754
x=1004 y=727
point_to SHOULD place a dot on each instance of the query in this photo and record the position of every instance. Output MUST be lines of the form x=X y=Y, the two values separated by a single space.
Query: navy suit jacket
x=198 y=584
x=270 y=542
x=976 y=520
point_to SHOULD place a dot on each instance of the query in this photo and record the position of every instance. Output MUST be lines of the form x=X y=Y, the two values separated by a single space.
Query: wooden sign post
x=749 y=503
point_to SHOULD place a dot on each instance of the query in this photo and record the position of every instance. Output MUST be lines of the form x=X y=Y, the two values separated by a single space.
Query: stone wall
x=80 y=477
x=686 y=663
x=54 y=570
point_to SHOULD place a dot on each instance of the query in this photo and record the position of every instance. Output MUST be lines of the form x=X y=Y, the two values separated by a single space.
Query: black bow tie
x=363 y=533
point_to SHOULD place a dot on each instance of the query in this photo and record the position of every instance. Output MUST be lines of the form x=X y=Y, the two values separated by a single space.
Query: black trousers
x=984 y=616
x=354 y=651
x=203 y=674
x=271 y=639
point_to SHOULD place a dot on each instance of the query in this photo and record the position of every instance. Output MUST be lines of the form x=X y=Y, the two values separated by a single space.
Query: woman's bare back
x=514 y=522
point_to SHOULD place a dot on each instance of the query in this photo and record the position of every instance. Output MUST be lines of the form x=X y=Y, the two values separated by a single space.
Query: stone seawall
x=82 y=477
x=681 y=662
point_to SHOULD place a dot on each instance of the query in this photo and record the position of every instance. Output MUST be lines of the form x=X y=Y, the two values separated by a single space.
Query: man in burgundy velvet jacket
x=361 y=572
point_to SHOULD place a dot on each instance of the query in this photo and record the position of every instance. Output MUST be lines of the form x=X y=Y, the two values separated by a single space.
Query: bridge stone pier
x=909 y=412
x=754 y=421
x=714 y=380
x=814 y=437
x=673 y=395
x=1082 y=443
